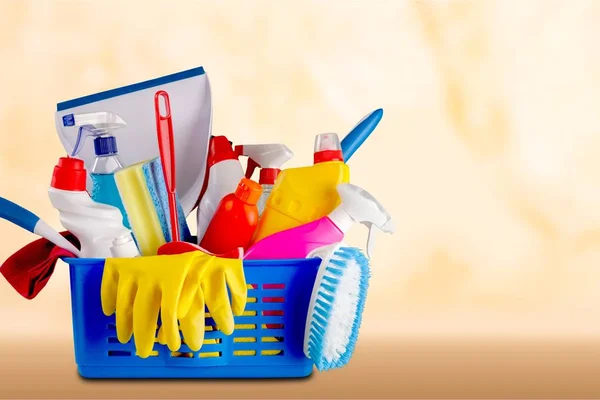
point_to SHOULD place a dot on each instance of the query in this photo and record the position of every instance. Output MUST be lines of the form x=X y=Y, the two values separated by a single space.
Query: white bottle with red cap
x=224 y=172
x=302 y=195
x=269 y=158
x=96 y=225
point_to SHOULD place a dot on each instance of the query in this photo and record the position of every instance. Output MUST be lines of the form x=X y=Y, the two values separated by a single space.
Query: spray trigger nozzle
x=268 y=157
x=96 y=124
x=252 y=165
x=360 y=206
x=388 y=227
x=370 y=238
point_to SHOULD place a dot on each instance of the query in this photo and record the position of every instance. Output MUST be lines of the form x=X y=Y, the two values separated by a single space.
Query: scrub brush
x=336 y=306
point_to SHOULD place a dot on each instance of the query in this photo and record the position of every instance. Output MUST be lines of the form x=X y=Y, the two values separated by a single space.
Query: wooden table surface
x=380 y=369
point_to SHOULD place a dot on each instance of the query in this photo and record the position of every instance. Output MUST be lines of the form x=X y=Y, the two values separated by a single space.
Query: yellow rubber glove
x=211 y=290
x=225 y=272
x=139 y=288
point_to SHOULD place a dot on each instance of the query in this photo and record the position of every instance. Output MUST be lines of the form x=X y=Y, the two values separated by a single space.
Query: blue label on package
x=68 y=120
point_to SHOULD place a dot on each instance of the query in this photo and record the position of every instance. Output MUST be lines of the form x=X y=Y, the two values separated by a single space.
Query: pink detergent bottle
x=357 y=206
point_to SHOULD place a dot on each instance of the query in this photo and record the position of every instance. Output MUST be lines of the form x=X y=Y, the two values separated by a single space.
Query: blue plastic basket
x=262 y=346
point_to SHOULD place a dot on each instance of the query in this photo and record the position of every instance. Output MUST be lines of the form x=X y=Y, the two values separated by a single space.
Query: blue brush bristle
x=335 y=270
x=155 y=182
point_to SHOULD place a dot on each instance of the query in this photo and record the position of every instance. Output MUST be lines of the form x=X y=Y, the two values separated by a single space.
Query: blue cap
x=105 y=146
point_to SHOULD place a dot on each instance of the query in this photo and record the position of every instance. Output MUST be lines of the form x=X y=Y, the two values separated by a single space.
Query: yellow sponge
x=144 y=194
x=140 y=209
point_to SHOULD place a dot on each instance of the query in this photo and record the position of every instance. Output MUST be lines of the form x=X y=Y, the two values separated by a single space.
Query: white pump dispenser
x=269 y=158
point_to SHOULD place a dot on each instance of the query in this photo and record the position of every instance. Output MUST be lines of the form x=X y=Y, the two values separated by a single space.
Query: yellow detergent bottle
x=305 y=194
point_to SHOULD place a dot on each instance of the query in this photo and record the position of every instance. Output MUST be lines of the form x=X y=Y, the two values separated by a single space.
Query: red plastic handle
x=252 y=165
x=166 y=148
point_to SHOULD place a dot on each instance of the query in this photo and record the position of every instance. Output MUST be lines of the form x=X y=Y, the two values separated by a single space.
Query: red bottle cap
x=219 y=150
x=248 y=191
x=328 y=155
x=268 y=176
x=69 y=175
x=327 y=148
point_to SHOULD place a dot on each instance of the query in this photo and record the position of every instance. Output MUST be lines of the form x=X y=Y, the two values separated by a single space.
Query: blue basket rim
x=247 y=263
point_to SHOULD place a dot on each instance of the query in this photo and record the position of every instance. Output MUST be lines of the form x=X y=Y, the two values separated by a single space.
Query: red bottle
x=235 y=220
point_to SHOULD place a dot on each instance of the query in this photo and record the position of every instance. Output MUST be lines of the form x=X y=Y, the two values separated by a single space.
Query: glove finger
x=188 y=293
x=217 y=301
x=236 y=281
x=126 y=294
x=161 y=336
x=172 y=289
x=192 y=326
x=168 y=316
x=108 y=290
x=145 y=316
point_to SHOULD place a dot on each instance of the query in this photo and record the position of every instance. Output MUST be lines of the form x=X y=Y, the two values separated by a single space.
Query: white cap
x=124 y=247
x=327 y=142
x=358 y=205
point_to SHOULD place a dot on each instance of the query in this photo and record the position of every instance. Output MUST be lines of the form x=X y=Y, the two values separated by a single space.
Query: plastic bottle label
x=68 y=120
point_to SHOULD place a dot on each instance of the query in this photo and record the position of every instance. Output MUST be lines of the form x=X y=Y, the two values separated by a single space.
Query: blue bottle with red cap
x=101 y=126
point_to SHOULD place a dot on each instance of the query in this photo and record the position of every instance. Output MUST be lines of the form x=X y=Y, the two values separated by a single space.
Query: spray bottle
x=101 y=126
x=234 y=221
x=224 y=173
x=269 y=158
x=305 y=194
x=357 y=205
x=95 y=225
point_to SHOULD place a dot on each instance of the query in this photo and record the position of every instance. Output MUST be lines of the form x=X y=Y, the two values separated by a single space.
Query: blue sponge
x=155 y=181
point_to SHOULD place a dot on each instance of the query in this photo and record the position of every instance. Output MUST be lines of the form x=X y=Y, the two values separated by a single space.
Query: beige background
x=487 y=158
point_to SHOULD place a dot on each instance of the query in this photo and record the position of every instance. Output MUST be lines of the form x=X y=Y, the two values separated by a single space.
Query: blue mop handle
x=18 y=215
x=360 y=133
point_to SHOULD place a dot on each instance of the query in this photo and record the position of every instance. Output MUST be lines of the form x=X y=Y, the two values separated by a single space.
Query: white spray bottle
x=357 y=205
x=224 y=172
x=96 y=225
x=101 y=125
x=269 y=158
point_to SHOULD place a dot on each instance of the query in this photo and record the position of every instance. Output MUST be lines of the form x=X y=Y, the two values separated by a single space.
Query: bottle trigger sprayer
x=357 y=205
x=269 y=158
x=224 y=173
x=101 y=125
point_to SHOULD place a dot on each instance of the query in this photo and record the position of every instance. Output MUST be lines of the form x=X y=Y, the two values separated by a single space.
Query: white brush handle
x=46 y=231
x=324 y=253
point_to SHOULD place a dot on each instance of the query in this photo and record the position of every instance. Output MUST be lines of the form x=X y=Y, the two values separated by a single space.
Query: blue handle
x=360 y=133
x=18 y=215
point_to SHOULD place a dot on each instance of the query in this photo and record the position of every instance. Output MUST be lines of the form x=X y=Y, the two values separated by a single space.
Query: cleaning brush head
x=336 y=308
